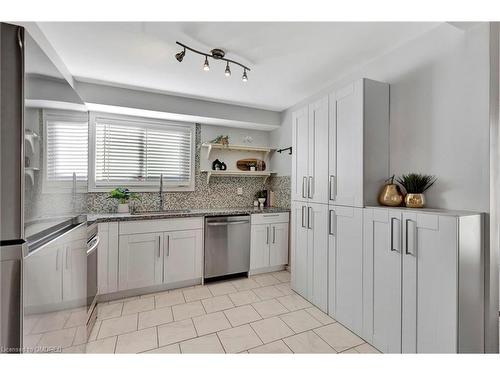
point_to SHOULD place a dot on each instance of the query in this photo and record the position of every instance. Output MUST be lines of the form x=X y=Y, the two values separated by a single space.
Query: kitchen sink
x=164 y=212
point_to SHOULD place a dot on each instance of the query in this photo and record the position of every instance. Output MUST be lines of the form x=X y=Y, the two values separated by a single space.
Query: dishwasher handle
x=218 y=224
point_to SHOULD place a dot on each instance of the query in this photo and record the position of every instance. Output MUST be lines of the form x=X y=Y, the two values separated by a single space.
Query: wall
x=439 y=113
x=221 y=192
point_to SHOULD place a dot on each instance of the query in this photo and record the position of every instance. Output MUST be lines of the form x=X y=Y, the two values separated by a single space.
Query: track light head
x=244 y=78
x=179 y=56
x=227 y=72
x=206 y=67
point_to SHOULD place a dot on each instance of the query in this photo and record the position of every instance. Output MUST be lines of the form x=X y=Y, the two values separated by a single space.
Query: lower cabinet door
x=140 y=260
x=182 y=255
x=382 y=279
x=259 y=246
x=299 y=252
x=278 y=251
x=318 y=255
x=348 y=270
x=75 y=271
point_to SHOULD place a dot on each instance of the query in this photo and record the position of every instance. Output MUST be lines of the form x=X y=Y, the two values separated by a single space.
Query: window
x=66 y=144
x=133 y=152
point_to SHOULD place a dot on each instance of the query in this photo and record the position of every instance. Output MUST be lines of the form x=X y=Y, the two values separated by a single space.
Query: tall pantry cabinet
x=340 y=159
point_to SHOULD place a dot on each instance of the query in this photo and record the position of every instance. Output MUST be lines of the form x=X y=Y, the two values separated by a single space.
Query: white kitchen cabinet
x=183 y=253
x=310 y=150
x=345 y=266
x=309 y=252
x=140 y=260
x=268 y=241
x=358 y=143
x=75 y=270
x=423 y=281
x=278 y=247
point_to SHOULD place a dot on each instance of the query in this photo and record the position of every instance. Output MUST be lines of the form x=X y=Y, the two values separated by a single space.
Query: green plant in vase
x=123 y=195
x=416 y=185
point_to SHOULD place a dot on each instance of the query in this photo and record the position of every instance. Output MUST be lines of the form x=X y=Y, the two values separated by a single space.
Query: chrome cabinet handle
x=168 y=246
x=267 y=235
x=392 y=234
x=332 y=223
x=304 y=180
x=310 y=187
x=303 y=224
x=159 y=246
x=407 y=247
x=274 y=234
x=333 y=188
x=68 y=252
x=309 y=220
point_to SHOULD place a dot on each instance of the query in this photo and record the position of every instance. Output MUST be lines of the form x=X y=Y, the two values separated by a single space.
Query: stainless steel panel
x=227 y=245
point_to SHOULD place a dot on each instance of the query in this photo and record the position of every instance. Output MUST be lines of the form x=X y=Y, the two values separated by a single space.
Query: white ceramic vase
x=261 y=202
x=123 y=208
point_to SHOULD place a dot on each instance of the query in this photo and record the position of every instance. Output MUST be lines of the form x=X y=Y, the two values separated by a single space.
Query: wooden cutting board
x=242 y=164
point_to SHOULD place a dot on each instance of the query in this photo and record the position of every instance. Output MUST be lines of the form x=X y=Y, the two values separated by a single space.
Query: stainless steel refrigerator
x=43 y=234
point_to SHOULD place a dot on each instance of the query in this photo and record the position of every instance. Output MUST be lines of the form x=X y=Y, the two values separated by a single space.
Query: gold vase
x=415 y=200
x=390 y=195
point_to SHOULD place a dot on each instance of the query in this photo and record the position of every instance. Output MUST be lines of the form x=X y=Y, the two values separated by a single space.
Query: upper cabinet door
x=317 y=181
x=140 y=260
x=300 y=155
x=430 y=283
x=345 y=179
x=182 y=255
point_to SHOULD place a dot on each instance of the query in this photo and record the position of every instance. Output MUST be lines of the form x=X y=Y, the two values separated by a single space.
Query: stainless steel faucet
x=161 y=192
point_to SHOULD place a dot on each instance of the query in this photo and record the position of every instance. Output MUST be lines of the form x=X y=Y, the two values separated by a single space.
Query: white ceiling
x=289 y=61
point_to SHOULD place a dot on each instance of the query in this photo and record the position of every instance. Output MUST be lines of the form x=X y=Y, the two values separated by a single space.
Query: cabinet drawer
x=161 y=225
x=280 y=217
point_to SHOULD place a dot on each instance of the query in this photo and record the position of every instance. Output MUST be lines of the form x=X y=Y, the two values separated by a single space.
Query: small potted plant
x=261 y=197
x=123 y=195
x=416 y=185
x=251 y=166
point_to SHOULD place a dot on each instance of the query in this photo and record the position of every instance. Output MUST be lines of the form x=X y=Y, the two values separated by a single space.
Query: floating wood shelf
x=217 y=146
x=264 y=174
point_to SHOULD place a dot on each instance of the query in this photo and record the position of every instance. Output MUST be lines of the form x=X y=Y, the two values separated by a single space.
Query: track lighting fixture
x=216 y=54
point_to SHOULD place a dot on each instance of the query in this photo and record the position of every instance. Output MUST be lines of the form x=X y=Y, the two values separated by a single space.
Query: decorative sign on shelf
x=251 y=165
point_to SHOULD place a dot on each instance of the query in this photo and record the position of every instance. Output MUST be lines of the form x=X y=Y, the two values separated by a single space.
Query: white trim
x=146 y=186
x=60 y=186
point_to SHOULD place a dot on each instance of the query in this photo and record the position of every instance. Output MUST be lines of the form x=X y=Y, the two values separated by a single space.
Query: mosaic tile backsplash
x=220 y=193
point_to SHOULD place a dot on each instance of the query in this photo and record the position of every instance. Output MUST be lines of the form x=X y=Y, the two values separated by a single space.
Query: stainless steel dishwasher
x=227 y=246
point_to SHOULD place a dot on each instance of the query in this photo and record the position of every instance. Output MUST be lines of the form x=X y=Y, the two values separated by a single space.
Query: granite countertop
x=168 y=214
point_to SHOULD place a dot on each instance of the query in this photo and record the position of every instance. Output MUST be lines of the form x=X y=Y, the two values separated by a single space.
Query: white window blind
x=67 y=149
x=136 y=152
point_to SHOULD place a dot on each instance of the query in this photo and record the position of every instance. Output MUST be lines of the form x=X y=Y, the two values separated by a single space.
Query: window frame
x=49 y=187
x=143 y=187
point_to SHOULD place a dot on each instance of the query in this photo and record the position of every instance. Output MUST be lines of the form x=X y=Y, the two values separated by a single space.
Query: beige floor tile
x=195 y=294
x=169 y=349
x=188 y=310
x=338 y=337
x=266 y=280
x=242 y=315
x=276 y=347
x=138 y=305
x=31 y=341
x=211 y=323
x=62 y=338
x=95 y=331
x=283 y=276
x=244 y=298
x=138 y=341
x=103 y=346
x=155 y=317
x=80 y=336
x=350 y=351
x=366 y=349
x=77 y=318
x=285 y=288
x=307 y=342
x=294 y=302
x=218 y=303
x=245 y=284
x=123 y=300
x=268 y=308
x=75 y=349
x=169 y=299
x=51 y=322
x=107 y=311
x=271 y=329
x=320 y=315
x=118 y=326
x=174 y=332
x=268 y=292
x=219 y=289
x=300 y=321
x=205 y=344
x=237 y=339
